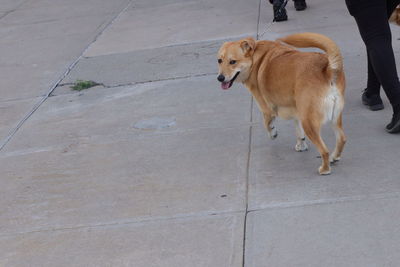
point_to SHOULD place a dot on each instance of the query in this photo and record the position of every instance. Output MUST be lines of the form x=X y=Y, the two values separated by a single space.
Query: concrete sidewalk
x=159 y=167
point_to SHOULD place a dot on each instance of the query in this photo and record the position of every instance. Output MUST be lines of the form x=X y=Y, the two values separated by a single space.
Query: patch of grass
x=80 y=85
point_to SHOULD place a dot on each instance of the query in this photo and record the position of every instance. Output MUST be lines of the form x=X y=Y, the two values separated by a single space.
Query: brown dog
x=307 y=87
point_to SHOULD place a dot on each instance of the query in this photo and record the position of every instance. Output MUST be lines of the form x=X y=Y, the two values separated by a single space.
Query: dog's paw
x=273 y=134
x=333 y=159
x=301 y=146
x=324 y=171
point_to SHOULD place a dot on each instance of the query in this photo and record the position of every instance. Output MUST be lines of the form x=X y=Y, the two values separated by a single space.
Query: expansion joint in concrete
x=143 y=82
x=137 y=221
x=247 y=181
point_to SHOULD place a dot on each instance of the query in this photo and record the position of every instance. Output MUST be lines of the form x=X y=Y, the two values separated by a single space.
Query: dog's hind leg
x=312 y=130
x=301 y=144
x=340 y=139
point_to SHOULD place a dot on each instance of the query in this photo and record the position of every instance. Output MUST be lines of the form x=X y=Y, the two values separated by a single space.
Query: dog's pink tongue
x=225 y=85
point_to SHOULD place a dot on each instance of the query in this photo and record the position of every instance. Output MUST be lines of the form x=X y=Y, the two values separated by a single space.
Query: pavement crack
x=145 y=82
x=328 y=201
x=12 y=10
x=258 y=18
x=161 y=80
x=7 y=13
x=247 y=182
x=188 y=216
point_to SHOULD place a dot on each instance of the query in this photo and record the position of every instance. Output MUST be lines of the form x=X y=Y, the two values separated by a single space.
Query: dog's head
x=234 y=61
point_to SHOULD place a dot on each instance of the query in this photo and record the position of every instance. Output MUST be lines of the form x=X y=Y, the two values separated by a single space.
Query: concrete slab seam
x=207 y=42
x=145 y=82
x=13 y=10
x=258 y=18
x=187 y=216
x=247 y=181
x=328 y=201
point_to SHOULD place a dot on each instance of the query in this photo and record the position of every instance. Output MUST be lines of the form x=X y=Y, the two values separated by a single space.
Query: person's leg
x=279 y=10
x=394 y=125
x=300 y=5
x=371 y=95
x=378 y=39
x=373 y=84
x=372 y=20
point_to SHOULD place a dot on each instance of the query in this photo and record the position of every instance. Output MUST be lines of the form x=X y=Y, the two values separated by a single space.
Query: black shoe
x=279 y=11
x=300 y=5
x=374 y=102
x=394 y=125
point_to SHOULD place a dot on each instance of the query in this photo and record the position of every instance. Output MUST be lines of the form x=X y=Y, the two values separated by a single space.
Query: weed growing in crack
x=80 y=85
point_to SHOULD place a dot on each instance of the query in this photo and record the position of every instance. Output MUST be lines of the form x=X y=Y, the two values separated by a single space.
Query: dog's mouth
x=227 y=85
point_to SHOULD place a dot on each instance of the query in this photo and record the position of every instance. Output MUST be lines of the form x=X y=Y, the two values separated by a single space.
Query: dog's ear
x=248 y=46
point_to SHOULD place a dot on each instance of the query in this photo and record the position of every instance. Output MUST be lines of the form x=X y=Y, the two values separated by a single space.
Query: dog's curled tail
x=309 y=39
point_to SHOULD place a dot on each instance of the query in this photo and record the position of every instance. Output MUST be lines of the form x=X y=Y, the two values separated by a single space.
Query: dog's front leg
x=301 y=144
x=269 y=125
x=267 y=112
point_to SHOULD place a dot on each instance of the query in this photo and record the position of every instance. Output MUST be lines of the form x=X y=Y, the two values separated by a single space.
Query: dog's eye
x=219 y=61
x=232 y=62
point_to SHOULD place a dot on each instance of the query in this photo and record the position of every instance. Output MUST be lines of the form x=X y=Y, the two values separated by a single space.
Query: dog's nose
x=221 y=78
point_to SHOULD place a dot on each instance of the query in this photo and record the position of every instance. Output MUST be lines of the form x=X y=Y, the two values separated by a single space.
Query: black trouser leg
x=277 y=2
x=372 y=21
x=373 y=84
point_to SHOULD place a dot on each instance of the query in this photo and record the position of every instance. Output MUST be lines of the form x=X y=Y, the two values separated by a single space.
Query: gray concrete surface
x=362 y=232
x=158 y=166
x=149 y=65
x=153 y=24
x=172 y=242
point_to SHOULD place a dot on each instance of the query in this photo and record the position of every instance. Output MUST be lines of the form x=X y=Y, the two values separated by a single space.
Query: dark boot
x=279 y=10
x=374 y=102
x=394 y=125
x=300 y=5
